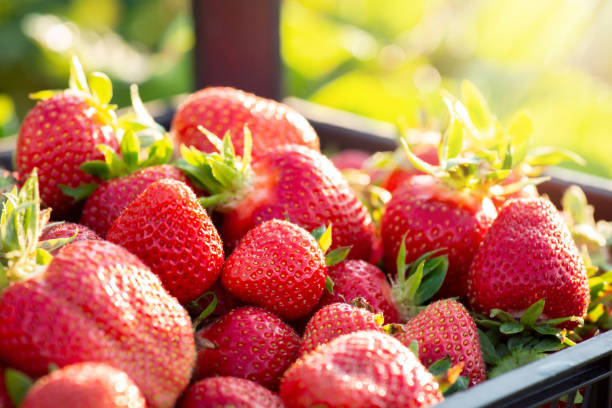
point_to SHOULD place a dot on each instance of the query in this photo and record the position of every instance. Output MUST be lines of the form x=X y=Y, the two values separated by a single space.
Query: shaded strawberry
x=109 y=200
x=92 y=385
x=288 y=182
x=279 y=266
x=227 y=110
x=529 y=255
x=94 y=301
x=446 y=328
x=355 y=278
x=248 y=342
x=167 y=228
x=362 y=369
x=61 y=132
x=228 y=392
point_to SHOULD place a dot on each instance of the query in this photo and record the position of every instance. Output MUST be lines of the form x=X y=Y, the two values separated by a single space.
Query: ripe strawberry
x=68 y=230
x=5 y=400
x=109 y=200
x=291 y=182
x=279 y=266
x=335 y=320
x=92 y=385
x=446 y=328
x=228 y=392
x=356 y=278
x=248 y=342
x=61 y=132
x=528 y=255
x=167 y=228
x=427 y=215
x=223 y=109
x=362 y=369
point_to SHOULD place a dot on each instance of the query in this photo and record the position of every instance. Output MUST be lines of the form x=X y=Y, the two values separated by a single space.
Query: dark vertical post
x=238 y=44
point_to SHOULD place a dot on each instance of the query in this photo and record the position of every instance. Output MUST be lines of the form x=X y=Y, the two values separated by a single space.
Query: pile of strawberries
x=249 y=271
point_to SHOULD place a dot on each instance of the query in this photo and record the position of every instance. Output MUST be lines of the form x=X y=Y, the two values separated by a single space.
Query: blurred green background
x=384 y=59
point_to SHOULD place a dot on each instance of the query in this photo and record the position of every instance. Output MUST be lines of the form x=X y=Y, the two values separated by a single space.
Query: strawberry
x=167 y=228
x=446 y=328
x=427 y=215
x=93 y=301
x=362 y=369
x=226 y=110
x=291 y=182
x=248 y=342
x=355 y=278
x=92 y=385
x=61 y=132
x=529 y=255
x=228 y=392
x=350 y=159
x=5 y=400
x=279 y=266
x=335 y=320
x=68 y=230
x=109 y=200
x=428 y=152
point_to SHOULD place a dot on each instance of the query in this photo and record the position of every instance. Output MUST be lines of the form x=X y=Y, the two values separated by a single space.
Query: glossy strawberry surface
x=433 y=217
x=335 y=320
x=248 y=342
x=355 y=278
x=279 y=266
x=91 y=385
x=303 y=185
x=229 y=392
x=167 y=228
x=222 y=109
x=56 y=136
x=98 y=302
x=528 y=255
x=446 y=328
x=362 y=369
x=109 y=200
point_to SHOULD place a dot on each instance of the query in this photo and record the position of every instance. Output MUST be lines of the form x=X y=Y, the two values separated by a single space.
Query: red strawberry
x=356 y=278
x=167 y=228
x=67 y=230
x=291 y=182
x=91 y=385
x=427 y=152
x=279 y=266
x=446 y=328
x=430 y=216
x=5 y=400
x=350 y=159
x=109 y=200
x=228 y=392
x=60 y=133
x=248 y=342
x=222 y=110
x=335 y=320
x=529 y=255
x=97 y=302
x=362 y=369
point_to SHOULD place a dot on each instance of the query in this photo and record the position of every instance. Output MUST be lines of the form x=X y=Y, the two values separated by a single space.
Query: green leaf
x=414 y=347
x=336 y=256
x=475 y=104
x=208 y=310
x=548 y=344
x=160 y=152
x=502 y=316
x=432 y=282
x=550 y=156
x=97 y=168
x=414 y=281
x=43 y=257
x=518 y=342
x=318 y=232
x=461 y=384
x=547 y=330
x=130 y=149
x=17 y=385
x=325 y=240
x=489 y=324
x=77 y=81
x=101 y=87
x=400 y=261
x=441 y=366
x=78 y=193
x=329 y=285
x=511 y=328
x=533 y=312
x=417 y=162
x=212 y=138
x=520 y=131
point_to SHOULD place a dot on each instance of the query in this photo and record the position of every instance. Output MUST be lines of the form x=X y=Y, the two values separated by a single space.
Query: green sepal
x=329 y=285
x=316 y=233
x=550 y=156
x=337 y=255
x=101 y=87
x=42 y=95
x=207 y=311
x=489 y=353
x=515 y=359
x=504 y=317
x=440 y=366
x=78 y=193
x=325 y=239
x=440 y=369
x=476 y=105
x=51 y=245
x=511 y=328
x=77 y=81
x=533 y=312
x=17 y=385
x=43 y=257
